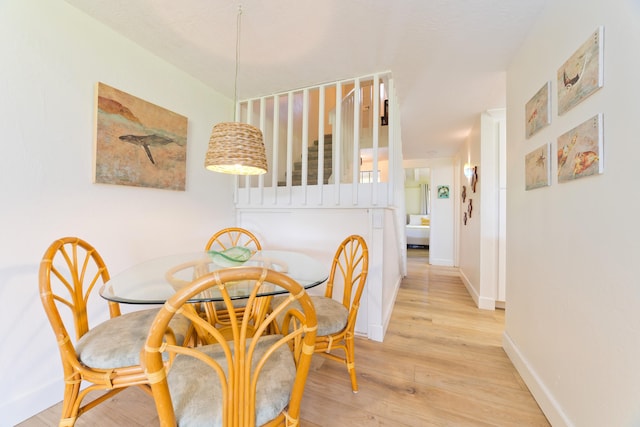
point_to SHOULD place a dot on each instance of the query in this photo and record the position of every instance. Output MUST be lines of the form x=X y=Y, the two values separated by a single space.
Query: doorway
x=418 y=211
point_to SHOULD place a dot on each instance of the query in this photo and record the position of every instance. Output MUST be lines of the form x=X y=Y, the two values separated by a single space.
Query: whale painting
x=138 y=143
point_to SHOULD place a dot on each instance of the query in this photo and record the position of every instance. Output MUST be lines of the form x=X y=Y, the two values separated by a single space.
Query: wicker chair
x=106 y=355
x=222 y=240
x=337 y=319
x=243 y=379
x=233 y=236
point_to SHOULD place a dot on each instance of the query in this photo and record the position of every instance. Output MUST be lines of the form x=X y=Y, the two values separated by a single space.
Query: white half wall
x=319 y=232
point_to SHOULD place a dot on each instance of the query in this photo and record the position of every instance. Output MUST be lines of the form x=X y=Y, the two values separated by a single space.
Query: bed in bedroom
x=417 y=230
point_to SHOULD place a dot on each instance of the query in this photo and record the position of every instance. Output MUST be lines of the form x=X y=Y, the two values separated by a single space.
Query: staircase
x=312 y=164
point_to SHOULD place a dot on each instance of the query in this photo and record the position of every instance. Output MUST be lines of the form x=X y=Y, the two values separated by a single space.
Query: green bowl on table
x=231 y=257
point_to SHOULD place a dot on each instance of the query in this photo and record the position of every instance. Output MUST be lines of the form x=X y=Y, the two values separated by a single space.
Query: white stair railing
x=296 y=123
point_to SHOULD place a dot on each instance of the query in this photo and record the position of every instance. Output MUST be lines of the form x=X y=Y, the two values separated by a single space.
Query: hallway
x=441 y=364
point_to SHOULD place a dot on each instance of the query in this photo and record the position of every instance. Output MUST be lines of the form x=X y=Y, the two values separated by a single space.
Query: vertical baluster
x=321 y=118
x=276 y=147
x=290 y=146
x=376 y=133
x=355 y=158
x=394 y=132
x=263 y=121
x=337 y=144
x=305 y=143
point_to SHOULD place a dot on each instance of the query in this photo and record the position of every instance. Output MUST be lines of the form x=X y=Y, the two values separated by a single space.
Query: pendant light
x=236 y=148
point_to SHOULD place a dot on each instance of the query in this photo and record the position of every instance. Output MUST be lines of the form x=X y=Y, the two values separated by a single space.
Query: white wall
x=320 y=231
x=441 y=236
x=52 y=57
x=489 y=173
x=479 y=237
x=573 y=315
x=469 y=241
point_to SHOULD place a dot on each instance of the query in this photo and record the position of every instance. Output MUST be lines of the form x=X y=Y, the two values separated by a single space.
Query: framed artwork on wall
x=538 y=110
x=138 y=143
x=581 y=75
x=474 y=178
x=537 y=168
x=443 y=191
x=580 y=151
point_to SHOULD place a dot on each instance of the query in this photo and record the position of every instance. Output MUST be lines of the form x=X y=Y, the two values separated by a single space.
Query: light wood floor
x=441 y=364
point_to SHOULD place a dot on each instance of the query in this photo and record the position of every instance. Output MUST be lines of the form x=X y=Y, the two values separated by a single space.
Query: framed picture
x=580 y=151
x=581 y=75
x=537 y=168
x=474 y=178
x=138 y=143
x=443 y=191
x=538 y=110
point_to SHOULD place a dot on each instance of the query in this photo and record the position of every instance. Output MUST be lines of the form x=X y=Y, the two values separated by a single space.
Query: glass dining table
x=156 y=280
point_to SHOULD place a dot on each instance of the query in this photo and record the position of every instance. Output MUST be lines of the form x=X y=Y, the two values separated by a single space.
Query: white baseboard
x=389 y=308
x=376 y=332
x=441 y=262
x=487 y=303
x=549 y=405
x=482 y=303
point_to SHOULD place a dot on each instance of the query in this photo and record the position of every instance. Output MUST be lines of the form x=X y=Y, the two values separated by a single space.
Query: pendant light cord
x=235 y=85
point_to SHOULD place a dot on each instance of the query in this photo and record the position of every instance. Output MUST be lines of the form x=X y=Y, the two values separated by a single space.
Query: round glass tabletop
x=154 y=281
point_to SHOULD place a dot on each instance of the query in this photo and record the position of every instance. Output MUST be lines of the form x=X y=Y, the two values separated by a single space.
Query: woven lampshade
x=236 y=148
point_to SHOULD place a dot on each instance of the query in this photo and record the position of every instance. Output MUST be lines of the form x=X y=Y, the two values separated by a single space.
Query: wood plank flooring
x=441 y=364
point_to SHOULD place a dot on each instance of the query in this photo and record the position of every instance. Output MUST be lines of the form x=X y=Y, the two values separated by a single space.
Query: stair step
x=297 y=166
x=314 y=153
x=312 y=164
x=327 y=140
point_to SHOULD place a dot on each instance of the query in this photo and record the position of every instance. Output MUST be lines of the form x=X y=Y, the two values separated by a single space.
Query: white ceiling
x=448 y=57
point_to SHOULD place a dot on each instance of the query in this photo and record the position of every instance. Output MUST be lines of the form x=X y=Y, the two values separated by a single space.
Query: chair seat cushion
x=332 y=315
x=117 y=342
x=196 y=392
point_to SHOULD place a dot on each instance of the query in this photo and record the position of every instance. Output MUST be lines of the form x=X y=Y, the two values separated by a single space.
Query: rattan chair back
x=221 y=383
x=233 y=236
x=349 y=269
x=224 y=239
x=69 y=271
